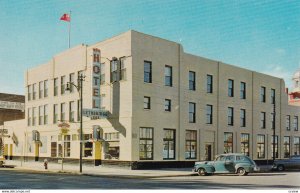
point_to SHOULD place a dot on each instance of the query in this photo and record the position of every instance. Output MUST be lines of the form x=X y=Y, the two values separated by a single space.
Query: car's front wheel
x=242 y=172
x=202 y=172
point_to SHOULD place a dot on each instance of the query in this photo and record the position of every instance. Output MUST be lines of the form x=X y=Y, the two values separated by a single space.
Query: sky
x=262 y=36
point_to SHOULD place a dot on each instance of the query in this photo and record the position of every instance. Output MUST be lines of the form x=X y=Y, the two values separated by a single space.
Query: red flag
x=65 y=17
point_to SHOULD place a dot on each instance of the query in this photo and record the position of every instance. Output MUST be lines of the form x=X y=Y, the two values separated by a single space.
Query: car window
x=231 y=158
x=241 y=158
x=221 y=158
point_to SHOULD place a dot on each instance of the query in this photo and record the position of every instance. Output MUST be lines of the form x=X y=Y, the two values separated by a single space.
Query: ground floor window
x=296 y=146
x=245 y=144
x=146 y=143
x=260 y=146
x=114 y=152
x=276 y=146
x=88 y=149
x=169 y=144
x=286 y=146
x=53 y=149
x=190 y=144
x=228 y=142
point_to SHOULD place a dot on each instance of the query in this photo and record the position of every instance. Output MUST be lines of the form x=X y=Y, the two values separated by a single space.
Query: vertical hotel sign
x=96 y=79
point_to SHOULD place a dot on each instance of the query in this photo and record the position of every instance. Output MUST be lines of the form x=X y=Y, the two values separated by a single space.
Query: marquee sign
x=12 y=105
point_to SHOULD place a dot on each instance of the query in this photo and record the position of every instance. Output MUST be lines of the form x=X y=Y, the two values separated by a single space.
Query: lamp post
x=79 y=88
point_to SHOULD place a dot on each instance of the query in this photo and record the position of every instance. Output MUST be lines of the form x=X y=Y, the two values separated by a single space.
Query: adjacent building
x=164 y=107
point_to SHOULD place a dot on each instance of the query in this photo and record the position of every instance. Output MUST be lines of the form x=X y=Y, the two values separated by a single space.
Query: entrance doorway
x=208 y=152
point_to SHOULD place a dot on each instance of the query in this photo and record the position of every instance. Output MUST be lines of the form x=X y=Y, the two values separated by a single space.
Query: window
x=192 y=80
x=168 y=105
x=228 y=142
x=295 y=124
x=147 y=102
x=286 y=147
x=168 y=76
x=296 y=146
x=209 y=85
x=243 y=118
x=272 y=96
x=62 y=111
x=55 y=113
x=55 y=86
x=53 y=149
x=33 y=116
x=45 y=114
x=114 y=71
x=71 y=80
x=41 y=114
x=63 y=85
x=114 y=136
x=34 y=92
x=96 y=103
x=209 y=114
x=29 y=114
x=67 y=145
x=29 y=92
x=230 y=88
x=41 y=89
x=190 y=144
x=272 y=120
x=72 y=111
x=243 y=90
x=263 y=94
x=230 y=116
x=169 y=144
x=192 y=112
x=245 y=144
x=146 y=143
x=147 y=72
x=276 y=146
x=46 y=88
x=288 y=123
x=260 y=146
x=263 y=120
x=123 y=69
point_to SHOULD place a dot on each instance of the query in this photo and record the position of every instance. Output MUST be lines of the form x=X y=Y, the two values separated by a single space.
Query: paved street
x=13 y=179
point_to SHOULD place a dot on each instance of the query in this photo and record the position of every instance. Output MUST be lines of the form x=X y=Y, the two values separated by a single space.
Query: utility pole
x=274 y=124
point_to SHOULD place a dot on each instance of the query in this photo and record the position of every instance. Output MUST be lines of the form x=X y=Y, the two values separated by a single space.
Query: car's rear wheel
x=202 y=172
x=280 y=167
x=242 y=172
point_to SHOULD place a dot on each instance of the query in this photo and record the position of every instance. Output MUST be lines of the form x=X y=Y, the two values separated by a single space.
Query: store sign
x=95 y=113
x=12 y=105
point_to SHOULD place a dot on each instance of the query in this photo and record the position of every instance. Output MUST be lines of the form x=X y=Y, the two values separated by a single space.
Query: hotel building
x=165 y=107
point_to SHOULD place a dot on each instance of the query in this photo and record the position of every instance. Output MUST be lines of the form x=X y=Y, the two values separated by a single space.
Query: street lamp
x=79 y=88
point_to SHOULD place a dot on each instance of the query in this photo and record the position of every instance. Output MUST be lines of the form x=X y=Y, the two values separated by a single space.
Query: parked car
x=292 y=163
x=227 y=163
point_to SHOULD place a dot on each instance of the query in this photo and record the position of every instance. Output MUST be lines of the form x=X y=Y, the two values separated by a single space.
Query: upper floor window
x=45 y=114
x=243 y=90
x=272 y=120
x=72 y=111
x=272 y=96
x=33 y=116
x=41 y=115
x=46 y=88
x=147 y=71
x=167 y=105
x=288 y=122
x=147 y=102
x=63 y=85
x=55 y=113
x=263 y=94
x=72 y=80
x=29 y=92
x=230 y=116
x=243 y=118
x=114 y=70
x=296 y=123
x=192 y=112
x=33 y=91
x=192 y=80
x=230 y=88
x=41 y=89
x=122 y=69
x=62 y=111
x=168 y=76
x=209 y=85
x=263 y=120
x=55 y=82
x=209 y=114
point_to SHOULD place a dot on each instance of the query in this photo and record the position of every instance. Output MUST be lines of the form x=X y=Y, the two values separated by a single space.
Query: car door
x=219 y=164
x=229 y=164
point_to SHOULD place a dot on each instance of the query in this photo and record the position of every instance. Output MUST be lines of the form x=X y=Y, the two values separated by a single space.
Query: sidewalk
x=113 y=172
x=106 y=171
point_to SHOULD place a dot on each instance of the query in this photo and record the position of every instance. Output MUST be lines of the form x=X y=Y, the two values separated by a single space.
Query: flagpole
x=70 y=31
